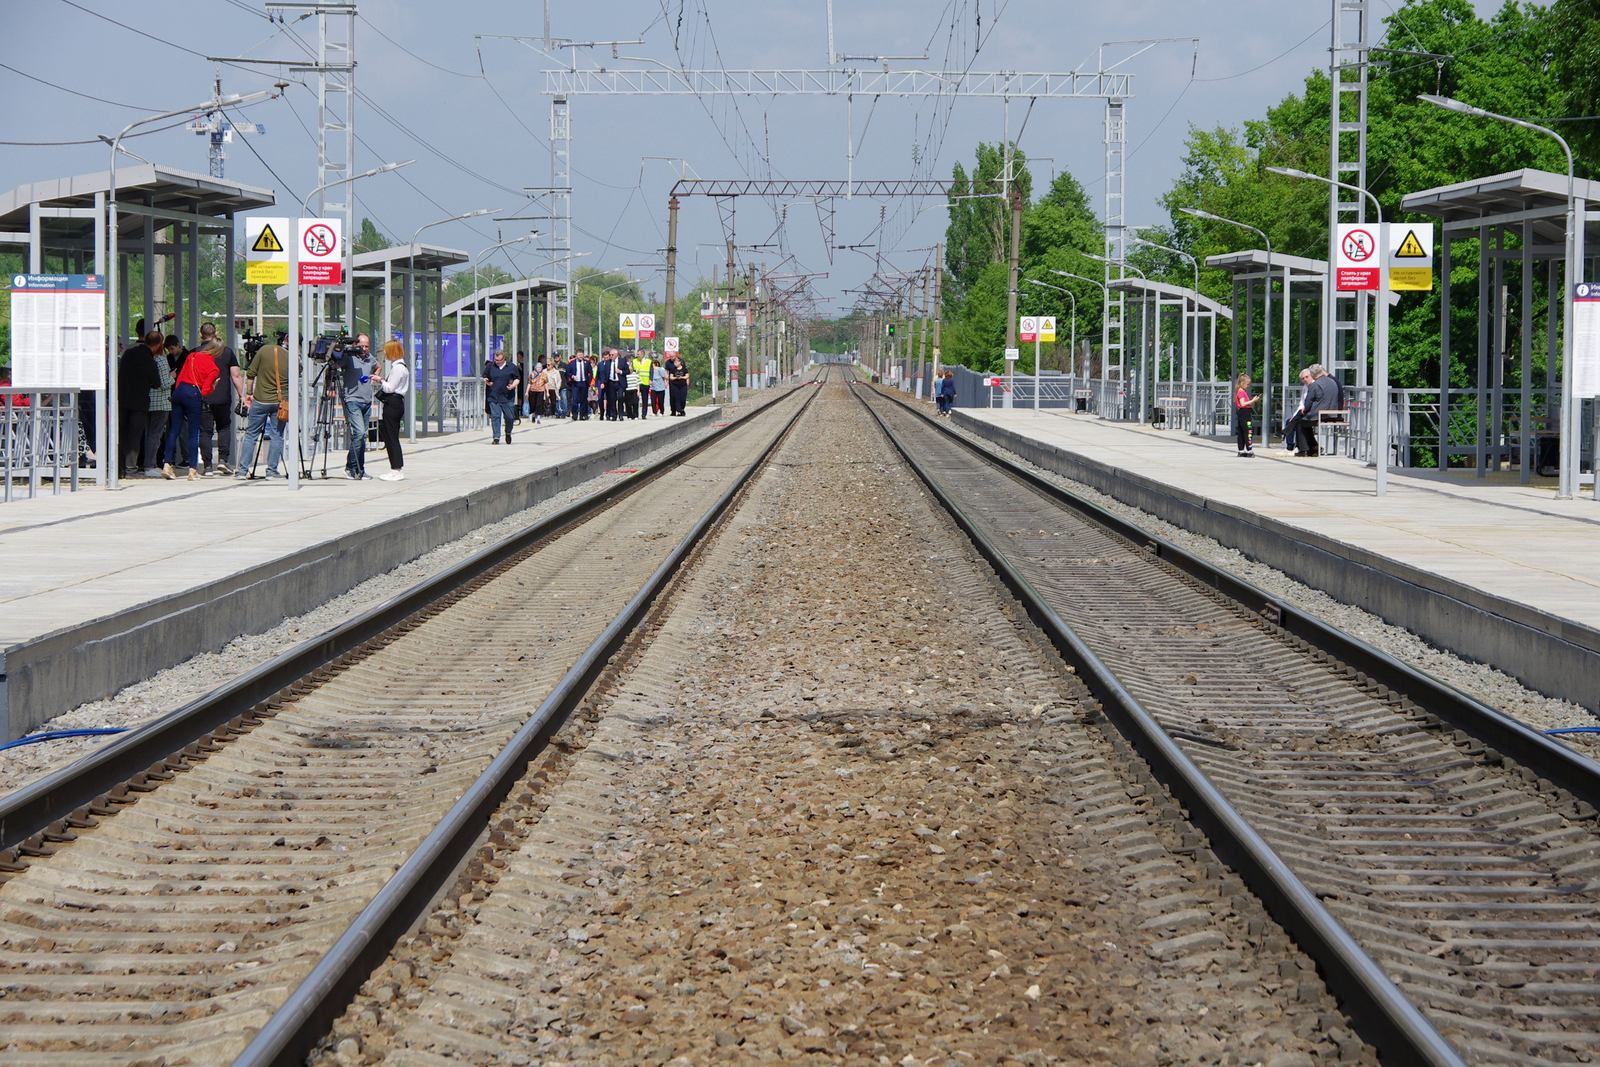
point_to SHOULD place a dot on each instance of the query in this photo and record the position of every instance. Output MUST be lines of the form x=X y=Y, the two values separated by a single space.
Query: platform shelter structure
x=518 y=313
x=172 y=226
x=1174 y=357
x=398 y=292
x=1498 y=404
x=1274 y=352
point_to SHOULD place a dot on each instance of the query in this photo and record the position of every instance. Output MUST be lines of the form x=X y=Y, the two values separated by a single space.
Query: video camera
x=252 y=343
x=329 y=345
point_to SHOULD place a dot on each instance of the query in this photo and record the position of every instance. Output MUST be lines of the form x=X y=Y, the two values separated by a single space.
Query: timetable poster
x=58 y=331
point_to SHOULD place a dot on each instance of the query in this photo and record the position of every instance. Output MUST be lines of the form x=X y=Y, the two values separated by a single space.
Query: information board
x=58 y=331
x=1586 y=339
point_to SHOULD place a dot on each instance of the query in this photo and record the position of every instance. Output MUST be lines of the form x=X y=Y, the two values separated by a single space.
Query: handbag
x=283 y=401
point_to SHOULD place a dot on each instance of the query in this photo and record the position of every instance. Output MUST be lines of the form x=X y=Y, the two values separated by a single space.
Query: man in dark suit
x=577 y=375
x=614 y=380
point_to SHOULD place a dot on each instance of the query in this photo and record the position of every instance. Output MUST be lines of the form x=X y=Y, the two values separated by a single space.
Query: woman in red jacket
x=195 y=379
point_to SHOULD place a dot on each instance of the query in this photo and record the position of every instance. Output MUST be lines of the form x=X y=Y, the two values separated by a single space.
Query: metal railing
x=39 y=438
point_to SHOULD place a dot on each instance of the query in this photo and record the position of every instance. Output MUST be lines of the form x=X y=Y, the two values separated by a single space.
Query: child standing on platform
x=1244 y=416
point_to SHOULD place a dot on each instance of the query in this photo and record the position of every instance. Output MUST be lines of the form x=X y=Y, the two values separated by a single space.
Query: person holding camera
x=265 y=407
x=392 y=392
x=356 y=367
x=216 y=423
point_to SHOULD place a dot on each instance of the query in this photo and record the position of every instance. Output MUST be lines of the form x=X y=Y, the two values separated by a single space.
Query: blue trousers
x=356 y=415
x=578 y=404
x=502 y=411
x=185 y=413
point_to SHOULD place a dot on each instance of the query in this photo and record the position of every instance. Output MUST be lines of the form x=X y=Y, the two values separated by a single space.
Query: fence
x=39 y=438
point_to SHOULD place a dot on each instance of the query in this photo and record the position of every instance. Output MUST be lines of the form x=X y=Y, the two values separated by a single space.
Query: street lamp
x=411 y=262
x=348 y=287
x=1380 y=353
x=480 y=318
x=1105 y=294
x=1072 y=344
x=110 y=434
x=1568 y=480
x=1187 y=347
x=1266 y=317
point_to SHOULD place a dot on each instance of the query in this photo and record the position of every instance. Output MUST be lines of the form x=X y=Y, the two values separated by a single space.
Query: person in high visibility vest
x=643 y=365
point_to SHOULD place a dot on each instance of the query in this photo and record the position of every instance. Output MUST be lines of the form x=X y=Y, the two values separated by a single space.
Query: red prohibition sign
x=319 y=240
x=1358 y=246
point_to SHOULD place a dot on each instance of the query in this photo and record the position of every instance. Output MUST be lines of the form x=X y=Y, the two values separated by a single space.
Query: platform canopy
x=1538 y=197
x=1198 y=302
x=142 y=188
x=1509 y=413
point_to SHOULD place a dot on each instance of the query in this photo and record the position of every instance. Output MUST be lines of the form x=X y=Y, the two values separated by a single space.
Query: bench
x=1172 y=412
x=1333 y=426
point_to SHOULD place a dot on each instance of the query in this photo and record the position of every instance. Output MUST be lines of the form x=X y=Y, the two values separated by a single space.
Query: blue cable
x=1573 y=730
x=58 y=735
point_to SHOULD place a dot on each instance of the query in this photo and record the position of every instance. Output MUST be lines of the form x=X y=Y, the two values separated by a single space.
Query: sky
x=468 y=108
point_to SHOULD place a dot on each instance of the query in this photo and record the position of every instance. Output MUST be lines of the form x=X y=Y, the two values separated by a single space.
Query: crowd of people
x=178 y=404
x=612 y=387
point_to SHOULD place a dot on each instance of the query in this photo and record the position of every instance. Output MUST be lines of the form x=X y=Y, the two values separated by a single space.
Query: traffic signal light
x=891 y=329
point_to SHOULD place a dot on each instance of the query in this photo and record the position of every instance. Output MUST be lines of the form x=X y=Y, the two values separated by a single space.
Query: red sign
x=1358 y=247
x=1028 y=328
x=647 y=327
x=319 y=273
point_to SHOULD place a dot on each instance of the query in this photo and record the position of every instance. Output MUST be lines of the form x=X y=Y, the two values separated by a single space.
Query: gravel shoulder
x=1495 y=688
x=844 y=804
x=170 y=689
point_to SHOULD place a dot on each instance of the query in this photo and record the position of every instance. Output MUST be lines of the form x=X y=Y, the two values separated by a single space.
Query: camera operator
x=216 y=421
x=356 y=367
x=266 y=407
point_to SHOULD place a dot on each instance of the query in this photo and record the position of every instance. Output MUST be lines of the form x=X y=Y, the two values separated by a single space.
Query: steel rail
x=1377 y=1007
x=1508 y=737
x=314 y=1005
x=38 y=813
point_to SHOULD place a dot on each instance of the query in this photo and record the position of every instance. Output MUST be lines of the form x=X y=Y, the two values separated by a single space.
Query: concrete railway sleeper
x=239 y=855
x=885 y=823
x=1448 y=886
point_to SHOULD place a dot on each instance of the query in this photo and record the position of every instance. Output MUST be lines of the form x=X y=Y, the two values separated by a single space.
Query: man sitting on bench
x=1323 y=394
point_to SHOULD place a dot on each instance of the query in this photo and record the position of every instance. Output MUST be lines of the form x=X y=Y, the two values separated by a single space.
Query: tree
x=370 y=239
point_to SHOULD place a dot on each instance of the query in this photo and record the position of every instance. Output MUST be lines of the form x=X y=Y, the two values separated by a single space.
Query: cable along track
x=1468 y=878
x=170 y=932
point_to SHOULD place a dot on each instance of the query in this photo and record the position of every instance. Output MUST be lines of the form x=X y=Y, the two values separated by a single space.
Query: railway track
x=782 y=830
x=277 y=836
x=1441 y=862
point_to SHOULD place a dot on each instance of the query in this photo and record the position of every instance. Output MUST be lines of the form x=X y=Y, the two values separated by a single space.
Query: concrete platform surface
x=1453 y=549
x=121 y=583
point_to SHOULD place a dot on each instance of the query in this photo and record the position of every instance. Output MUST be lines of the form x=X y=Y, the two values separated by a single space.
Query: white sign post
x=1012 y=355
x=647 y=326
x=669 y=345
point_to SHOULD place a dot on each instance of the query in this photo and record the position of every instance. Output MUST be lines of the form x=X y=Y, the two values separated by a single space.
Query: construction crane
x=220 y=130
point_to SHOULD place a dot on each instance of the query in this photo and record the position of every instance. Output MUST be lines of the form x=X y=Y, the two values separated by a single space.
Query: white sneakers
x=392 y=476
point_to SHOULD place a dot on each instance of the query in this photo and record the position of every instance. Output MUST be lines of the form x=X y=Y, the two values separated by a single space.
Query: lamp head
x=1450 y=103
x=1199 y=214
x=1291 y=172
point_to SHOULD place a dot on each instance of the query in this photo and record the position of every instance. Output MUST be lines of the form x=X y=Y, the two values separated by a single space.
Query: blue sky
x=1250 y=54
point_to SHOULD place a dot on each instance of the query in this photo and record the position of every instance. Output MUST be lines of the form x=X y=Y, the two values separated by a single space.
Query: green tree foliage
x=1512 y=64
x=1056 y=230
x=370 y=239
x=1574 y=34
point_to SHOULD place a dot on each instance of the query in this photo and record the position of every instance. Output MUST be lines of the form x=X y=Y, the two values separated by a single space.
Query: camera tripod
x=325 y=387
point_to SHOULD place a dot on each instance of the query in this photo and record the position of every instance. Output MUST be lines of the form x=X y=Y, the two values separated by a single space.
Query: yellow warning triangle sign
x=1411 y=248
x=627 y=322
x=267 y=241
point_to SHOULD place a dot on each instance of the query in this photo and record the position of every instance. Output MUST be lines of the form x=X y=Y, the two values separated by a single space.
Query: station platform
x=1503 y=574
x=99 y=589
